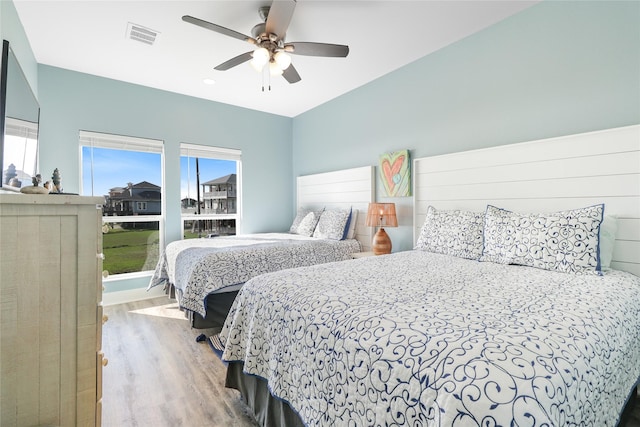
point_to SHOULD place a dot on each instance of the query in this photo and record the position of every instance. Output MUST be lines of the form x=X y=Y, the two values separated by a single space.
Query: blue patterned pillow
x=457 y=233
x=333 y=224
x=305 y=222
x=351 y=228
x=564 y=241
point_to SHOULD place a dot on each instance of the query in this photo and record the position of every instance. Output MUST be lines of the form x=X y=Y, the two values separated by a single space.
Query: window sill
x=128 y=276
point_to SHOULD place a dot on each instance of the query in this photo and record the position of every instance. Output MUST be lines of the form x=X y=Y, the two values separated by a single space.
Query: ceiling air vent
x=141 y=34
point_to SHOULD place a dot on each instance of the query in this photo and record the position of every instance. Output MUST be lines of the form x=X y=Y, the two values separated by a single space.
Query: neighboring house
x=220 y=195
x=142 y=198
x=188 y=205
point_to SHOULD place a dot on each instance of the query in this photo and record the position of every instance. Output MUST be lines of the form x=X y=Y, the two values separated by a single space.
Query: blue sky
x=116 y=168
x=209 y=169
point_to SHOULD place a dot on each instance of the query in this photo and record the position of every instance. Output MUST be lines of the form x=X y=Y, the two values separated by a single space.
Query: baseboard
x=130 y=295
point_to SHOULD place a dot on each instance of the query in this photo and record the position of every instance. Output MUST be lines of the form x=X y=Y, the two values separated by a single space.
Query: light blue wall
x=72 y=101
x=557 y=68
x=11 y=29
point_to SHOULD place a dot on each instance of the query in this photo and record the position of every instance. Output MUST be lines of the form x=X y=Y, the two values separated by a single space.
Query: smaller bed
x=206 y=274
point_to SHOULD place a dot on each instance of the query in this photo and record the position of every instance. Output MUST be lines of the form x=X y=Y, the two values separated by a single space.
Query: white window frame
x=209 y=152
x=29 y=132
x=121 y=142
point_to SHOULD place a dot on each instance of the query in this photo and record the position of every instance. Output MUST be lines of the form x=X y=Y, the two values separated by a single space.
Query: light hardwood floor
x=158 y=375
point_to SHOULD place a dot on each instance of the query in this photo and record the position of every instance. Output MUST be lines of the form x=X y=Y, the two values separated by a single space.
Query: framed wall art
x=395 y=173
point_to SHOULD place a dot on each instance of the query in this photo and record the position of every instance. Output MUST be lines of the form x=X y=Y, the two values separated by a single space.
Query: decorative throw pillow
x=351 y=231
x=305 y=222
x=564 y=241
x=332 y=224
x=454 y=232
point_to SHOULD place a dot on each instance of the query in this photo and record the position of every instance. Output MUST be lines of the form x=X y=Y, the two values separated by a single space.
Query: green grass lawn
x=128 y=251
x=190 y=235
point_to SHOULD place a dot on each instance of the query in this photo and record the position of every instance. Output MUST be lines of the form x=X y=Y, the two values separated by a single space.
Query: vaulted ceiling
x=91 y=36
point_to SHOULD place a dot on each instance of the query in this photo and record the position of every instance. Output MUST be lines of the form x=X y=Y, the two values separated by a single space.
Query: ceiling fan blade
x=217 y=28
x=235 y=61
x=318 y=49
x=279 y=17
x=291 y=74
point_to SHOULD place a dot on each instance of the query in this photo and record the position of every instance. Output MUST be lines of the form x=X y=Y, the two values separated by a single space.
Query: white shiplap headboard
x=343 y=189
x=543 y=176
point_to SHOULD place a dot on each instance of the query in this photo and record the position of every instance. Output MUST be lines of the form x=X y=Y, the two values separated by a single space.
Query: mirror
x=19 y=121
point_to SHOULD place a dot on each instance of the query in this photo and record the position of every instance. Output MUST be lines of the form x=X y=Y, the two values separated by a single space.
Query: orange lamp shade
x=381 y=215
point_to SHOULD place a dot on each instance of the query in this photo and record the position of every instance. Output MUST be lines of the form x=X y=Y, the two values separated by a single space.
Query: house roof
x=227 y=179
x=145 y=184
x=150 y=192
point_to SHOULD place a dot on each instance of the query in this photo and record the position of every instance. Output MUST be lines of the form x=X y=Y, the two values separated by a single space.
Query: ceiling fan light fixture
x=269 y=43
x=282 y=59
x=261 y=56
x=274 y=69
x=256 y=65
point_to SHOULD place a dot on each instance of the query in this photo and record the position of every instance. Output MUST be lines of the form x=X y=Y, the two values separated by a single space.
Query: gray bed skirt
x=268 y=410
x=218 y=306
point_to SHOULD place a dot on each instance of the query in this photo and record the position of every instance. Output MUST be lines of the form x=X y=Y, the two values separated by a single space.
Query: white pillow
x=332 y=224
x=305 y=222
x=453 y=232
x=608 y=230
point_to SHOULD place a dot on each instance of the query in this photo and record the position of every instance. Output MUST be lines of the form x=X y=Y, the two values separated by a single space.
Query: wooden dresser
x=50 y=310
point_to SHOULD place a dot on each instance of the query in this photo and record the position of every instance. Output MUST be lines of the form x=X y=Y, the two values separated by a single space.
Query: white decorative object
x=32 y=189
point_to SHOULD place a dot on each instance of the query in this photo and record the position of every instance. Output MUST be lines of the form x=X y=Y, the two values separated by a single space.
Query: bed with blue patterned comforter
x=199 y=267
x=422 y=339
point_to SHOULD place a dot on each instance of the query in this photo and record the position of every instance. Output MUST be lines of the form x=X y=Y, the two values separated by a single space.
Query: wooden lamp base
x=381 y=243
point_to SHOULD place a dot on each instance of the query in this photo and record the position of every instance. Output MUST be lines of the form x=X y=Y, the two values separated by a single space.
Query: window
x=20 y=152
x=127 y=172
x=210 y=190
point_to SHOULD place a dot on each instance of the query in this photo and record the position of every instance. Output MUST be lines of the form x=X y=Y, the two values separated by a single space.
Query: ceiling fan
x=268 y=38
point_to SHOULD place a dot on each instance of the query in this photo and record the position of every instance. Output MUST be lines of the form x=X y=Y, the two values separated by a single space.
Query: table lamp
x=381 y=215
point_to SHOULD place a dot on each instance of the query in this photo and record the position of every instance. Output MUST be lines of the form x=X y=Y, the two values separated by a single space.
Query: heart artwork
x=394 y=173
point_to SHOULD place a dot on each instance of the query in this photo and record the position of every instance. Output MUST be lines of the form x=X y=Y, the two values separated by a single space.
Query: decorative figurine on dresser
x=35 y=188
x=11 y=176
x=55 y=178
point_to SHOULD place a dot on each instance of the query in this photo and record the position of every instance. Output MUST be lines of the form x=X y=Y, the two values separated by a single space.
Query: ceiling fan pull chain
x=268 y=73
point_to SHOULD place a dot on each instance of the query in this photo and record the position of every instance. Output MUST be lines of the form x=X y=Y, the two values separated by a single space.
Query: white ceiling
x=89 y=36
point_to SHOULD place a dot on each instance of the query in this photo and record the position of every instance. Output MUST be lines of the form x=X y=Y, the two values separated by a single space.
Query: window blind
x=120 y=142
x=21 y=128
x=206 y=152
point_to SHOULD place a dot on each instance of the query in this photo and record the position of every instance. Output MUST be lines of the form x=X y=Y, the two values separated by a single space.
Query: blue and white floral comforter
x=198 y=267
x=422 y=339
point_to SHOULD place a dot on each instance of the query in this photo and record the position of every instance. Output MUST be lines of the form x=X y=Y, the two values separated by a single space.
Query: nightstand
x=357 y=255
